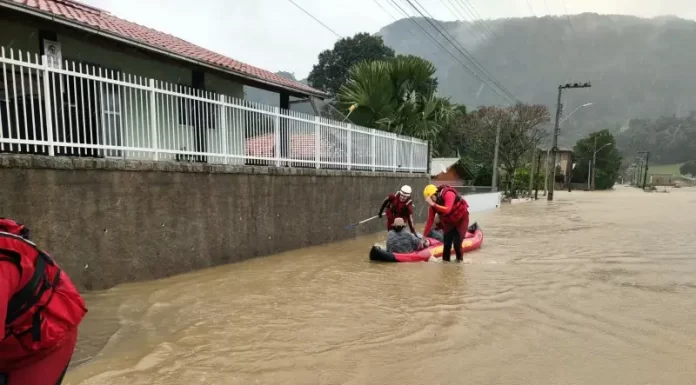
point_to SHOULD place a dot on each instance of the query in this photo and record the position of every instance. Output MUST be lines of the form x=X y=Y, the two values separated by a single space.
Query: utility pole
x=494 y=183
x=536 y=186
x=531 y=171
x=647 y=159
x=546 y=172
x=589 y=175
x=554 y=147
x=594 y=163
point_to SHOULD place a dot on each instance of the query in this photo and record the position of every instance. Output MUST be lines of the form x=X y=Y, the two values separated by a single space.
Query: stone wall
x=114 y=221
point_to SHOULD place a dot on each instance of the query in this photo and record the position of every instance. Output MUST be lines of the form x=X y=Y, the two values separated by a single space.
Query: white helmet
x=405 y=190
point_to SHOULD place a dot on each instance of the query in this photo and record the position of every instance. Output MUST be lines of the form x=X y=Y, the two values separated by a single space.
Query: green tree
x=331 y=72
x=688 y=168
x=451 y=141
x=608 y=158
x=521 y=181
x=521 y=130
x=397 y=95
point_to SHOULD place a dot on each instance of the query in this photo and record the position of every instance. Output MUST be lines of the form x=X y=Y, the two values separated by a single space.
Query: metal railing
x=73 y=109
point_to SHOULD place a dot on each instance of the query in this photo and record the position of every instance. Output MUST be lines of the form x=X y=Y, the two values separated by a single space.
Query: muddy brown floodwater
x=594 y=288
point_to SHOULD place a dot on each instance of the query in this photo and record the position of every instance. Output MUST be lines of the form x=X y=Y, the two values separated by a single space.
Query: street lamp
x=568 y=116
x=546 y=179
x=593 y=166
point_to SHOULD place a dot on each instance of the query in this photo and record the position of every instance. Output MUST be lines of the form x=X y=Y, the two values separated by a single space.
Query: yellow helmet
x=429 y=191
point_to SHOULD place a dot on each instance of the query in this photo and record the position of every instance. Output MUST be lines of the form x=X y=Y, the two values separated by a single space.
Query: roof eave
x=112 y=36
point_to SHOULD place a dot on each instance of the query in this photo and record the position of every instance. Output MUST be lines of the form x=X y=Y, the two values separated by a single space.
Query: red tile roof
x=102 y=21
x=302 y=146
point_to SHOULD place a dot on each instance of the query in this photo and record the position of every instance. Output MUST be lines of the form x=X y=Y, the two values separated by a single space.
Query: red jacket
x=450 y=206
x=39 y=305
x=398 y=209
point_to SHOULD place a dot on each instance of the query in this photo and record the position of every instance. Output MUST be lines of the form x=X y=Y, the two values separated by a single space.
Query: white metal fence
x=73 y=109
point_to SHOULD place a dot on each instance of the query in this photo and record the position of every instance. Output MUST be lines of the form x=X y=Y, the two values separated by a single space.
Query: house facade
x=564 y=160
x=78 y=81
x=662 y=180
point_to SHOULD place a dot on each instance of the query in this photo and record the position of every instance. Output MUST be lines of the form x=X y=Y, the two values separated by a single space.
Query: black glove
x=379 y=214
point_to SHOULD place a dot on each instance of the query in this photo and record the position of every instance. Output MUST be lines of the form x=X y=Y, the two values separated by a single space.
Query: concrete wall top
x=68 y=163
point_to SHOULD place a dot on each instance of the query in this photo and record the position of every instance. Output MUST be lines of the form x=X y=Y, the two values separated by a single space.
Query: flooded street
x=594 y=288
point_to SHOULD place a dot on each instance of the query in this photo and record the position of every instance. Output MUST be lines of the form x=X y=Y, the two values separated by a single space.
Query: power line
x=482 y=34
x=472 y=73
x=546 y=5
x=447 y=51
x=568 y=16
x=461 y=50
x=468 y=55
x=466 y=4
x=530 y=8
x=315 y=19
x=392 y=16
x=385 y=10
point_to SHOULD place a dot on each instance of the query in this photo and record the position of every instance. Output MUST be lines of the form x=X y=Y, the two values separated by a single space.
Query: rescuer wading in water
x=453 y=211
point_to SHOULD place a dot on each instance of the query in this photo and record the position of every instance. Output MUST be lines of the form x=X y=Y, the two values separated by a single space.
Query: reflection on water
x=594 y=288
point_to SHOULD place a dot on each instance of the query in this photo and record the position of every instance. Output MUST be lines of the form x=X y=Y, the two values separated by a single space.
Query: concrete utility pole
x=494 y=183
x=594 y=163
x=554 y=148
x=647 y=159
x=546 y=167
x=536 y=186
x=546 y=172
x=531 y=171
x=639 y=175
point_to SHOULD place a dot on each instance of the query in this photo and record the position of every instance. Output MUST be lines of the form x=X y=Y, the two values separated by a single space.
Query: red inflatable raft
x=474 y=239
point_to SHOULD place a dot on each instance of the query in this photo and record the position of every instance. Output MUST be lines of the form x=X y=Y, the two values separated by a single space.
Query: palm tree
x=397 y=95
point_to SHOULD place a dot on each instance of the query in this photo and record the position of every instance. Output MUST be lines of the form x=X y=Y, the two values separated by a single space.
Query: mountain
x=639 y=68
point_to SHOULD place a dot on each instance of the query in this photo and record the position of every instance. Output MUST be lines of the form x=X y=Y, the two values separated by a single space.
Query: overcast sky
x=276 y=35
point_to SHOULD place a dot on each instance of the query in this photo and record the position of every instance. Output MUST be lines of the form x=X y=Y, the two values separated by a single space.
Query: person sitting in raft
x=400 y=241
x=398 y=205
x=453 y=211
x=437 y=232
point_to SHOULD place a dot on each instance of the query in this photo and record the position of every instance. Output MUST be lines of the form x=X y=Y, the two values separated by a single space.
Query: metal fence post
x=223 y=126
x=349 y=144
x=394 y=148
x=276 y=128
x=410 y=160
x=373 y=145
x=153 y=118
x=317 y=141
x=428 y=159
x=47 y=105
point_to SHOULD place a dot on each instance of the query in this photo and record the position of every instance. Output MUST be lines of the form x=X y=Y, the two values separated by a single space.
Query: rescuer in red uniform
x=40 y=310
x=399 y=205
x=454 y=217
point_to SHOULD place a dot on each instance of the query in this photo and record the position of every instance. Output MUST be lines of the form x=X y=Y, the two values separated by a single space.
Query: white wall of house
x=126 y=111
x=483 y=202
